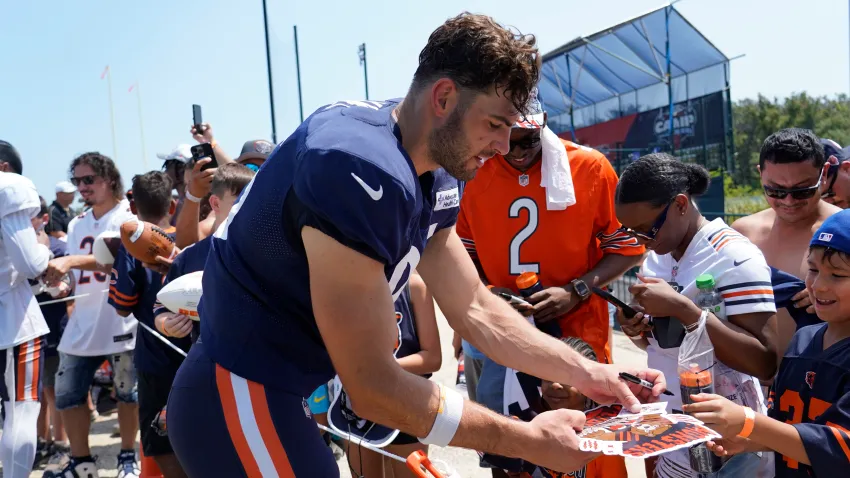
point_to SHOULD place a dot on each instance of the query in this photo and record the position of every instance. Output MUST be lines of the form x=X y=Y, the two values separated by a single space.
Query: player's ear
x=444 y=97
x=133 y=208
x=172 y=208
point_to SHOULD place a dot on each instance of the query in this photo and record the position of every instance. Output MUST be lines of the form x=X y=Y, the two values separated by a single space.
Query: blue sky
x=54 y=106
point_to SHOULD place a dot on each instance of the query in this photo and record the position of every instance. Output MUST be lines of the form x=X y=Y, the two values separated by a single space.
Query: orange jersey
x=505 y=224
x=606 y=466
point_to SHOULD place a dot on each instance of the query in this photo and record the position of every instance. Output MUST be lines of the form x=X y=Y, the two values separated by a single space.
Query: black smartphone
x=204 y=150
x=197 y=118
x=627 y=311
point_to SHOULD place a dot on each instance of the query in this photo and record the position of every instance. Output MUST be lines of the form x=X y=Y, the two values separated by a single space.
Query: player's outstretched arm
x=492 y=326
x=355 y=315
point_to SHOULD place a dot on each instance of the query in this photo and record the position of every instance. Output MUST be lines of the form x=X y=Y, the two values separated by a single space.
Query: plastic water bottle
x=529 y=284
x=708 y=298
x=460 y=383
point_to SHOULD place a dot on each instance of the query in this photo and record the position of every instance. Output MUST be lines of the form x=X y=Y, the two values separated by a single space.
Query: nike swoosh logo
x=737 y=263
x=319 y=399
x=375 y=194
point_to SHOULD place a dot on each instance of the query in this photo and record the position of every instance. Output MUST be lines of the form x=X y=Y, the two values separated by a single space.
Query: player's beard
x=447 y=147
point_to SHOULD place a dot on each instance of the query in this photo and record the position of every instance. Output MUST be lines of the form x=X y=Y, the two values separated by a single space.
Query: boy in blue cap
x=809 y=419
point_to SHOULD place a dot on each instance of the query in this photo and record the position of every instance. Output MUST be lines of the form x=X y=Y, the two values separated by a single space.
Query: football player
x=24 y=254
x=95 y=331
x=809 y=419
x=301 y=278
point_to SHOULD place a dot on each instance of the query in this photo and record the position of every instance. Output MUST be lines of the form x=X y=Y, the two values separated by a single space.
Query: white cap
x=182 y=153
x=65 y=187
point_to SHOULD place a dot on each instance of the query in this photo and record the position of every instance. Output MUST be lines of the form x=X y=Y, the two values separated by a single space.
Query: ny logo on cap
x=825 y=236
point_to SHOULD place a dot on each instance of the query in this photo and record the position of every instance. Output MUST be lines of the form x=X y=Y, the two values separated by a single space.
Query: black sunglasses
x=653 y=231
x=831 y=173
x=87 y=180
x=796 y=193
x=526 y=143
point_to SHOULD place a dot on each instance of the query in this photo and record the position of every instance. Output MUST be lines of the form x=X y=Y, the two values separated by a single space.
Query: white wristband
x=447 y=420
x=192 y=198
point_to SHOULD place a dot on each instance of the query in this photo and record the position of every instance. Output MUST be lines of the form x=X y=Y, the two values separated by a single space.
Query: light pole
x=362 y=53
x=269 y=67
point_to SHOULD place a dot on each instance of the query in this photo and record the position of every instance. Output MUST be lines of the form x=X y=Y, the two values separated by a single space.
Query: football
x=106 y=246
x=145 y=241
x=182 y=295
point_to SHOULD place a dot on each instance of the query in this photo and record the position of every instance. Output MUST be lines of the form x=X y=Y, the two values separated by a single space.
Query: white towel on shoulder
x=556 y=175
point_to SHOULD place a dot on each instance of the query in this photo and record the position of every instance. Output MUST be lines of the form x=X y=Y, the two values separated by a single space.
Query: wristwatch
x=581 y=288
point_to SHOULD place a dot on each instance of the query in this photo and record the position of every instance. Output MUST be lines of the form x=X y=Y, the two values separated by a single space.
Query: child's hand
x=173 y=325
x=728 y=446
x=718 y=413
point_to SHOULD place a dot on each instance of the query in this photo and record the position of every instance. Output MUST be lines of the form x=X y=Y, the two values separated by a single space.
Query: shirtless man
x=793 y=169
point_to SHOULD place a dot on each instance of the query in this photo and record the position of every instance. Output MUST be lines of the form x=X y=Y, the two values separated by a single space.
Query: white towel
x=556 y=177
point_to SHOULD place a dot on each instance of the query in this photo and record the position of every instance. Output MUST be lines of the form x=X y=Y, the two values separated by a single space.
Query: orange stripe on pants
x=36 y=358
x=267 y=430
x=22 y=371
x=234 y=427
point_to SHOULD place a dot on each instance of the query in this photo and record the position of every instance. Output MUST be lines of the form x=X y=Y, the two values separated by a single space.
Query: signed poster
x=652 y=431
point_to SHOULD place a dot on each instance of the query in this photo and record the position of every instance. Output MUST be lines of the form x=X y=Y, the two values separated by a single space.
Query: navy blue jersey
x=191 y=259
x=133 y=288
x=408 y=340
x=344 y=172
x=785 y=286
x=56 y=314
x=812 y=392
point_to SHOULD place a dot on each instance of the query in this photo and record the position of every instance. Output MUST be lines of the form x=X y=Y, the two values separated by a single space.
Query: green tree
x=755 y=119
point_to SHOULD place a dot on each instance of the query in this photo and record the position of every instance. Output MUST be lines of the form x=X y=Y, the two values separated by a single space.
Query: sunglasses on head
x=87 y=180
x=526 y=143
x=653 y=231
x=796 y=193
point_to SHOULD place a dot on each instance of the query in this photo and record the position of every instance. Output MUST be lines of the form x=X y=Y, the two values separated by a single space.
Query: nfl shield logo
x=523 y=180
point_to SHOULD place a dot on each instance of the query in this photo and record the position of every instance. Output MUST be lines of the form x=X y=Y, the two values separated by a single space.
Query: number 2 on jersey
x=516 y=266
x=98 y=276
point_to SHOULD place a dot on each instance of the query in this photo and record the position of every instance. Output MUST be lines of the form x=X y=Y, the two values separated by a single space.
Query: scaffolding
x=657 y=65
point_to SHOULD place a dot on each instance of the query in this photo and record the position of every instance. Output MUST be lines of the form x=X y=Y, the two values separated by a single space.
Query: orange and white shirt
x=505 y=225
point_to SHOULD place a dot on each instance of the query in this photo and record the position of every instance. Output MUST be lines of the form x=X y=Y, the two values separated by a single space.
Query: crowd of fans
x=544 y=224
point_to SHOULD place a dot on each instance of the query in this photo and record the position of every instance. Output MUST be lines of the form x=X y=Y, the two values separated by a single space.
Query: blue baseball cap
x=834 y=233
x=832 y=148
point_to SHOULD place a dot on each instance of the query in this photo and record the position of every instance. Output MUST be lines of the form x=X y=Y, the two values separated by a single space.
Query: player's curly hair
x=103 y=167
x=477 y=53
x=658 y=178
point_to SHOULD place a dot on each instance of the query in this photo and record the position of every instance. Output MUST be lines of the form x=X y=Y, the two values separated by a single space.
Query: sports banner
x=695 y=123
